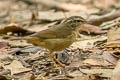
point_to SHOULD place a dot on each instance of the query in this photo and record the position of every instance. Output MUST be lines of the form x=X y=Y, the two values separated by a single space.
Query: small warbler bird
x=57 y=37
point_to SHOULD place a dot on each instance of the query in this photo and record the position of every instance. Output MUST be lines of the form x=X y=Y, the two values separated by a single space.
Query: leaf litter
x=93 y=57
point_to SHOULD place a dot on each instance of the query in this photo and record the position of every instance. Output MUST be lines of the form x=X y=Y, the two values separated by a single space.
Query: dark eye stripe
x=78 y=21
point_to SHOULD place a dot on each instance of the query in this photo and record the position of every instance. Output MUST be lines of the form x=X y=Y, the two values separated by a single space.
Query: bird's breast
x=58 y=44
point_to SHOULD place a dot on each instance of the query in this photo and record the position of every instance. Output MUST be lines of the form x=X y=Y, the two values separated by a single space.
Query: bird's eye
x=78 y=21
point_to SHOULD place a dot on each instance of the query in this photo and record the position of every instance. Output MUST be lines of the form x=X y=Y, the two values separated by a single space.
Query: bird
x=57 y=37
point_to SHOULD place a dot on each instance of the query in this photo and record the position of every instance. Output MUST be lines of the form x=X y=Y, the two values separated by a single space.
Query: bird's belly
x=57 y=44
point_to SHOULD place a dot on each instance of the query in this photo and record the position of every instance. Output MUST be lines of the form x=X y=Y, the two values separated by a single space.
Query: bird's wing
x=45 y=34
x=58 y=31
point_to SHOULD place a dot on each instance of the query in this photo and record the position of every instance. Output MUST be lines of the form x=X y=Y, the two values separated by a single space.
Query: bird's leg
x=61 y=64
x=52 y=58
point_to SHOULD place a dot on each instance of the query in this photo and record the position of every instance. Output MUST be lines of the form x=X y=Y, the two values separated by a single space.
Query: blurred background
x=20 y=18
x=24 y=12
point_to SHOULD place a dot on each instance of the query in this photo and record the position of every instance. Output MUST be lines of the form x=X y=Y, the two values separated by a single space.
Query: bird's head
x=74 y=22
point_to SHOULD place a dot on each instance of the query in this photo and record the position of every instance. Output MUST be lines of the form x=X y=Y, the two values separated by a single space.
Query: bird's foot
x=55 y=64
x=59 y=63
x=55 y=61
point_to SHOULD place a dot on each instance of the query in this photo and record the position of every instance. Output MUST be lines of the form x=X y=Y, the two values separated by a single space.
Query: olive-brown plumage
x=57 y=37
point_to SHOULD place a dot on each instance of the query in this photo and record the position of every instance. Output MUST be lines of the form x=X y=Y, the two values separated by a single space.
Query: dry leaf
x=5 y=58
x=91 y=29
x=104 y=3
x=114 y=34
x=84 y=77
x=14 y=28
x=3 y=45
x=116 y=72
x=28 y=77
x=53 y=16
x=3 y=8
x=16 y=67
x=73 y=7
x=103 y=72
x=94 y=62
x=108 y=58
x=87 y=44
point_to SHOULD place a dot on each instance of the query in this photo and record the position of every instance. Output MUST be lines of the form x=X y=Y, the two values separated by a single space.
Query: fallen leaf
x=14 y=28
x=116 y=72
x=109 y=59
x=87 y=44
x=104 y=3
x=104 y=72
x=53 y=16
x=91 y=29
x=16 y=67
x=3 y=45
x=28 y=77
x=5 y=58
x=87 y=77
x=73 y=7
x=84 y=77
x=3 y=8
x=114 y=34
x=94 y=62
